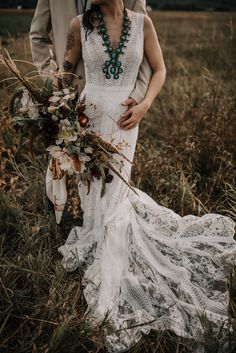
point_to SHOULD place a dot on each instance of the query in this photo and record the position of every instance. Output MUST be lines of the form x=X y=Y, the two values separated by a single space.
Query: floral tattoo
x=70 y=41
x=68 y=66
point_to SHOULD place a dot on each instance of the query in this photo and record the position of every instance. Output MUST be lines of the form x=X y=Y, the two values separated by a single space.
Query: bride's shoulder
x=132 y=14
x=147 y=22
x=140 y=15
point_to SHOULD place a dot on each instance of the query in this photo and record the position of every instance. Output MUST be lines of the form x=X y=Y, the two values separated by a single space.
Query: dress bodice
x=94 y=56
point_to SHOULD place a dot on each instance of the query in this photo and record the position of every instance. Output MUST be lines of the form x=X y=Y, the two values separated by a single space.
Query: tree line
x=9 y=4
x=193 y=5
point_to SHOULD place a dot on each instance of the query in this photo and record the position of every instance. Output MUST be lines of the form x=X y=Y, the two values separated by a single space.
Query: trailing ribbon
x=56 y=189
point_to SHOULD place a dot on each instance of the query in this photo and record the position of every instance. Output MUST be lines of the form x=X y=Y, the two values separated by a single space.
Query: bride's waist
x=104 y=90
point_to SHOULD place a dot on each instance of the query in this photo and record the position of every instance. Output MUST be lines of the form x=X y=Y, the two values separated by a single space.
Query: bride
x=144 y=266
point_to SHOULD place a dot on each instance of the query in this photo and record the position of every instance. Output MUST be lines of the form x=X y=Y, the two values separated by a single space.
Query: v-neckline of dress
x=113 y=65
x=131 y=22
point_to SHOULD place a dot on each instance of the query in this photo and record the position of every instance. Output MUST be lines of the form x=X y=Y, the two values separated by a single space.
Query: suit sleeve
x=145 y=71
x=39 y=36
x=140 y=6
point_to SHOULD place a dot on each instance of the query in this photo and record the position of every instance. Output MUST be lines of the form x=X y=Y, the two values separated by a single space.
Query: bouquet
x=58 y=116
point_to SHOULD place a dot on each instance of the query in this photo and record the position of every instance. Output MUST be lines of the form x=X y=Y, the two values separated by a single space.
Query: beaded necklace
x=114 y=65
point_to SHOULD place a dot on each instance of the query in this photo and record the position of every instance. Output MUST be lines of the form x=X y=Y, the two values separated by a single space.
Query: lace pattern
x=131 y=59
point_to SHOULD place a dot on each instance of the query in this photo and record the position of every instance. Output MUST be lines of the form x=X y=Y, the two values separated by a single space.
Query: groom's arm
x=145 y=71
x=39 y=36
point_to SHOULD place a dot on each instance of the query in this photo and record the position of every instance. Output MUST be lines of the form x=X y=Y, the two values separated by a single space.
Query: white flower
x=54 y=118
x=59 y=141
x=25 y=98
x=54 y=98
x=64 y=104
x=67 y=132
x=88 y=150
x=57 y=93
x=24 y=109
x=72 y=137
x=65 y=122
x=52 y=109
x=28 y=106
x=67 y=97
x=66 y=162
x=84 y=158
x=53 y=149
x=30 y=102
x=33 y=112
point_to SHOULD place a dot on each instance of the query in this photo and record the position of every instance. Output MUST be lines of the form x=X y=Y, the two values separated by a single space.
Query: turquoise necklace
x=113 y=67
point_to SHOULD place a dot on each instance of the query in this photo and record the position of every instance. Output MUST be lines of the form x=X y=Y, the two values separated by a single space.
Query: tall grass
x=185 y=160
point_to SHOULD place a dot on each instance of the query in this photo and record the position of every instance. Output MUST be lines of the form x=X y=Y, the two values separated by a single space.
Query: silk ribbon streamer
x=56 y=191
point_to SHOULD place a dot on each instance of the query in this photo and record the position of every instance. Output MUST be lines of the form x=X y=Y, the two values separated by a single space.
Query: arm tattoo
x=70 y=41
x=68 y=66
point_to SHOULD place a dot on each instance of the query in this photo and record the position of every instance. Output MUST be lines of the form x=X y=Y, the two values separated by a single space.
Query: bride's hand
x=133 y=116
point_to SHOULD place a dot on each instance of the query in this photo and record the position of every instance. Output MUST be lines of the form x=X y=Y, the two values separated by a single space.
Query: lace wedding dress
x=142 y=262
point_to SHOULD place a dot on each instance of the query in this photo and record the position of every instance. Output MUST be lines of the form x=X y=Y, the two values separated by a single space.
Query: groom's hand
x=130 y=103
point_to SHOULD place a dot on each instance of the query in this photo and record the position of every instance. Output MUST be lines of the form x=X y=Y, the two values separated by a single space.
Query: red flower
x=83 y=120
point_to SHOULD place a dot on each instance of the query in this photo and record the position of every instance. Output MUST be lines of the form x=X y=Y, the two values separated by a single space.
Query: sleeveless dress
x=145 y=267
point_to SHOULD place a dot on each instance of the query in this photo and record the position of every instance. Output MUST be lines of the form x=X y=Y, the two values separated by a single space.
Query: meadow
x=14 y=23
x=185 y=160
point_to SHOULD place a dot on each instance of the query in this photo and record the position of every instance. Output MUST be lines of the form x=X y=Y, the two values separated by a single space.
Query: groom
x=54 y=16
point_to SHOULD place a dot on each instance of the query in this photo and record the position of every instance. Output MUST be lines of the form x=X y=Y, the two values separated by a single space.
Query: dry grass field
x=185 y=160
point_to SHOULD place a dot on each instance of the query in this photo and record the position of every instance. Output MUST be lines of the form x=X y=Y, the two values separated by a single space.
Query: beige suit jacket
x=49 y=27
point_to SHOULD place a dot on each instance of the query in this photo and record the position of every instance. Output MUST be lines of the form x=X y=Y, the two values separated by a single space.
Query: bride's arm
x=154 y=55
x=73 y=51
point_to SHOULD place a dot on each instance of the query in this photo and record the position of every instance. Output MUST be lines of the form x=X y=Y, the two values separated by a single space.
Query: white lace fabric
x=142 y=262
